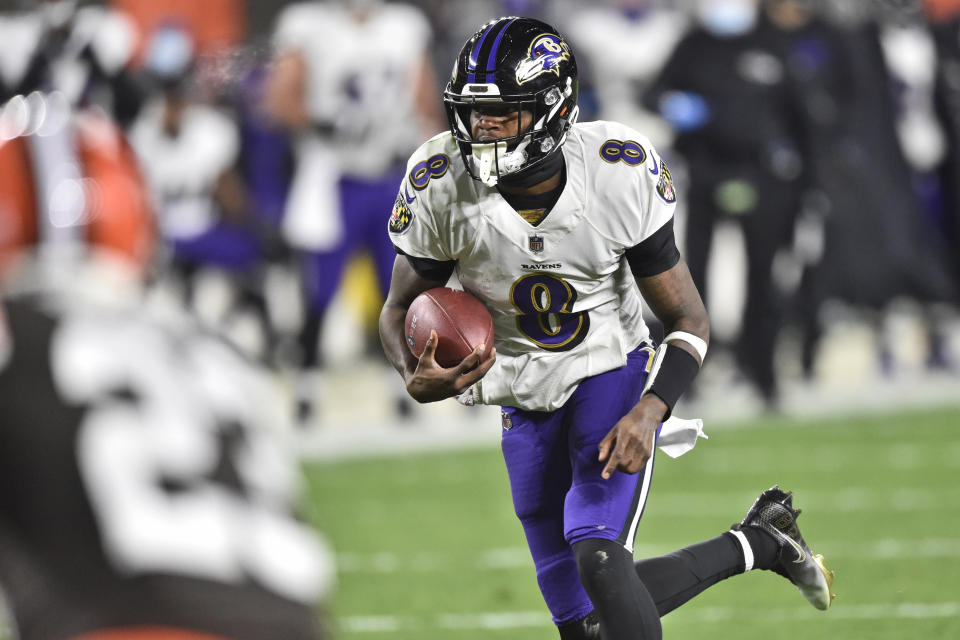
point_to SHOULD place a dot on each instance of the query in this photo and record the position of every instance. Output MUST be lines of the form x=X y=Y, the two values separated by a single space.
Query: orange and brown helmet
x=69 y=185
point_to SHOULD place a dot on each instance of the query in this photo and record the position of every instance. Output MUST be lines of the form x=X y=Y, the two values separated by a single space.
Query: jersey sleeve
x=657 y=195
x=633 y=183
x=413 y=227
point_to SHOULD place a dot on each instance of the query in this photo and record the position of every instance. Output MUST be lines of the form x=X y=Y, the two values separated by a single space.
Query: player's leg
x=767 y=229
x=375 y=199
x=677 y=577
x=320 y=275
x=767 y=538
x=601 y=521
x=601 y=516
x=534 y=449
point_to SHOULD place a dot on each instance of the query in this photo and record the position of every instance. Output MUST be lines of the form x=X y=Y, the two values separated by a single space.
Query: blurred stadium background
x=854 y=402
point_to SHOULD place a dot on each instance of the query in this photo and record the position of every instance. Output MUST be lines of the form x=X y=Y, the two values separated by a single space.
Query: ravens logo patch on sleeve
x=401 y=217
x=665 y=185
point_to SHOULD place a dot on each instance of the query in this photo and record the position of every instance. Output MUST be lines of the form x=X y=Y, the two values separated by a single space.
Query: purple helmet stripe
x=472 y=76
x=492 y=58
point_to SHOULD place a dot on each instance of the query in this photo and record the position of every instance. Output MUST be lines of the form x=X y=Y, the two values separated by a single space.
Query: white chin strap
x=486 y=163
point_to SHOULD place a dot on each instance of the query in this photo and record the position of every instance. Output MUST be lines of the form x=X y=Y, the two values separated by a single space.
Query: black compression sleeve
x=429 y=269
x=656 y=254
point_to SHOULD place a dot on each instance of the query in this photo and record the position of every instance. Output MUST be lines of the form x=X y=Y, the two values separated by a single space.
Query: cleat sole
x=828 y=575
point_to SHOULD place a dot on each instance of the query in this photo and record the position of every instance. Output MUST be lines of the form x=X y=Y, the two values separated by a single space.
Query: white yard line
x=499 y=620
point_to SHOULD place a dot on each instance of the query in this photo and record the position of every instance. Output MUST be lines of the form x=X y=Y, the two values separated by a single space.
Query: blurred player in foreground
x=83 y=51
x=144 y=493
x=560 y=228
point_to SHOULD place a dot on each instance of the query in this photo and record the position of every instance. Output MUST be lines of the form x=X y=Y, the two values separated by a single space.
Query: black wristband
x=672 y=375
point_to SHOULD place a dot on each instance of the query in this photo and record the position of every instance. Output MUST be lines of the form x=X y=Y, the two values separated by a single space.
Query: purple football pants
x=366 y=205
x=555 y=481
x=223 y=245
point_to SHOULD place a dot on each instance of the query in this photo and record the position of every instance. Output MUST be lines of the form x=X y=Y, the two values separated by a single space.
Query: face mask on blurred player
x=727 y=18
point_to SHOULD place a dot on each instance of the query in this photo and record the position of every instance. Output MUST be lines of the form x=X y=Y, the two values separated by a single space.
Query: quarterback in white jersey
x=560 y=229
x=561 y=293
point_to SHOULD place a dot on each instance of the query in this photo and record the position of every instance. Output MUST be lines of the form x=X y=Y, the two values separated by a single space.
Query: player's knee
x=598 y=560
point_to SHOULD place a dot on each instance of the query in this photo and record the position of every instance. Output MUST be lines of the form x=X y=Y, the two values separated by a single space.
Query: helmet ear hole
x=514 y=60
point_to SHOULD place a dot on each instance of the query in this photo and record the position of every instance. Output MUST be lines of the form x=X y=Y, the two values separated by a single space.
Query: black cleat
x=774 y=513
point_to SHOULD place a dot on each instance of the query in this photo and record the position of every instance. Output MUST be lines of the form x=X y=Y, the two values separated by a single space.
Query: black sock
x=765 y=547
x=677 y=577
x=620 y=599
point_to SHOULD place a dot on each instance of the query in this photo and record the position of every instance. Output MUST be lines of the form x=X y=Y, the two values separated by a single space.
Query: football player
x=188 y=151
x=144 y=491
x=354 y=84
x=563 y=230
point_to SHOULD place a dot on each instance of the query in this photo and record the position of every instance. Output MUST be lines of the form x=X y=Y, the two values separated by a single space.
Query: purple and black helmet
x=513 y=61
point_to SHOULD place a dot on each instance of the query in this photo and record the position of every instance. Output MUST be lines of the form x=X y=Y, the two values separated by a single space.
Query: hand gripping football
x=461 y=321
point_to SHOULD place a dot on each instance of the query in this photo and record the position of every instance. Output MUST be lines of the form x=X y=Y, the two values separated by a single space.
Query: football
x=461 y=321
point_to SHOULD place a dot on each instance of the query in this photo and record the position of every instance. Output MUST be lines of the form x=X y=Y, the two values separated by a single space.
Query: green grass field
x=429 y=548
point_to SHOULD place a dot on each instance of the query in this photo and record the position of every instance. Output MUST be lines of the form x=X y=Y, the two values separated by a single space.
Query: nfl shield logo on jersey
x=536 y=244
x=506 y=420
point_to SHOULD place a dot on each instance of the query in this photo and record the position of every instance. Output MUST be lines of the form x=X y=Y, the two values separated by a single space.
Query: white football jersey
x=361 y=77
x=183 y=171
x=564 y=302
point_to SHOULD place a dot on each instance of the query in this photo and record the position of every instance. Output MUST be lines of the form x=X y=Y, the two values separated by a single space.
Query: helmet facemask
x=488 y=161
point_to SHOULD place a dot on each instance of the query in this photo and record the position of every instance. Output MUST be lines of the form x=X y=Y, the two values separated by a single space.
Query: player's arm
x=674 y=299
x=426 y=380
x=428 y=100
x=284 y=97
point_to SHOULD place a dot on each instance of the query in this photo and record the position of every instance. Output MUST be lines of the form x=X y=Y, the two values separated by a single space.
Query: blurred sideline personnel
x=870 y=181
x=609 y=39
x=144 y=495
x=560 y=228
x=354 y=84
x=83 y=52
x=218 y=26
x=726 y=93
x=945 y=17
x=909 y=50
x=189 y=152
